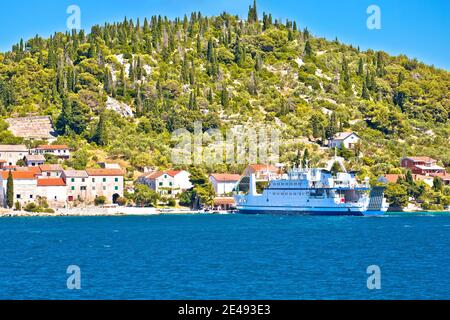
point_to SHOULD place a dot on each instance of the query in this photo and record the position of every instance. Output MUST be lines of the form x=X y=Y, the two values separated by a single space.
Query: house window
x=93 y=179
x=48 y=174
x=104 y=179
x=93 y=188
x=83 y=188
x=83 y=180
x=160 y=184
x=170 y=183
x=104 y=188
x=18 y=196
x=116 y=179
x=116 y=188
x=73 y=179
x=31 y=196
x=72 y=188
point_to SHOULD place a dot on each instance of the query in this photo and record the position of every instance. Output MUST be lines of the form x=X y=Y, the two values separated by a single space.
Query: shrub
x=121 y=201
x=171 y=202
x=99 y=201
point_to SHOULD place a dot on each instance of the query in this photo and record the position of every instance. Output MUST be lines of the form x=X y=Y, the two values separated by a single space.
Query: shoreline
x=98 y=212
x=137 y=211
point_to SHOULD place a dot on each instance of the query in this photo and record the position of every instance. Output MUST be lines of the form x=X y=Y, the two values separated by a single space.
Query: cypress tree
x=224 y=99
x=305 y=158
x=361 y=67
x=365 y=92
x=101 y=136
x=308 y=49
x=10 y=191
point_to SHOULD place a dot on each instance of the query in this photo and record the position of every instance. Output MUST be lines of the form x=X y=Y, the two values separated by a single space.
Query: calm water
x=225 y=257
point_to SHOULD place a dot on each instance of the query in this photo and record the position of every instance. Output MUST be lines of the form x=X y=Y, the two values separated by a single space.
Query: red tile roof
x=442 y=175
x=53 y=147
x=51 y=182
x=51 y=167
x=35 y=170
x=173 y=173
x=19 y=175
x=226 y=177
x=224 y=201
x=392 y=178
x=105 y=172
x=157 y=174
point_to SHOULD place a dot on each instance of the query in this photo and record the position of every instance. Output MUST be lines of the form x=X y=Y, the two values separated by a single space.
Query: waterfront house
x=10 y=154
x=262 y=172
x=76 y=184
x=54 y=190
x=393 y=178
x=34 y=160
x=422 y=165
x=224 y=183
x=347 y=139
x=224 y=203
x=107 y=183
x=25 y=186
x=169 y=183
x=59 y=151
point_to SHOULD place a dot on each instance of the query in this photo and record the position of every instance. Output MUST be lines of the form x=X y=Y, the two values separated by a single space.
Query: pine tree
x=409 y=178
x=437 y=184
x=10 y=190
x=79 y=117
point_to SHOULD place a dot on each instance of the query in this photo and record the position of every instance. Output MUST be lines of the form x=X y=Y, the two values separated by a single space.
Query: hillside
x=120 y=90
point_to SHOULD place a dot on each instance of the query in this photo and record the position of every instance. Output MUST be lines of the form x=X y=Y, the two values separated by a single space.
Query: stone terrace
x=33 y=128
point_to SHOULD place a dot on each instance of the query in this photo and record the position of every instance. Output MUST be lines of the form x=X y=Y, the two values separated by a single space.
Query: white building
x=87 y=185
x=59 y=151
x=54 y=190
x=24 y=185
x=170 y=182
x=34 y=160
x=224 y=183
x=12 y=153
x=347 y=139
x=107 y=183
x=76 y=184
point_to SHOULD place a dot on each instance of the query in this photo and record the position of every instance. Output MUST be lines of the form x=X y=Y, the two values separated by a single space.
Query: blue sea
x=225 y=257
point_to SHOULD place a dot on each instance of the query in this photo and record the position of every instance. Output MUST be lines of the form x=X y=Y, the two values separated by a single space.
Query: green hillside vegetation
x=225 y=71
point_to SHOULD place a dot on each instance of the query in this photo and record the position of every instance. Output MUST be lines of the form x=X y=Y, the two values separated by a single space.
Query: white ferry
x=313 y=191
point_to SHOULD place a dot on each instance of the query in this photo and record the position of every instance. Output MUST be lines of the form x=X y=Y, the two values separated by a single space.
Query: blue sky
x=417 y=28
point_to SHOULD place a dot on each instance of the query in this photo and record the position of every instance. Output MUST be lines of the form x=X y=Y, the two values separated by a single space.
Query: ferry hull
x=356 y=212
x=303 y=213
